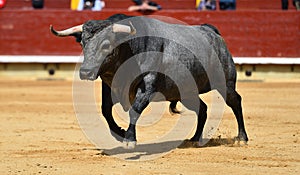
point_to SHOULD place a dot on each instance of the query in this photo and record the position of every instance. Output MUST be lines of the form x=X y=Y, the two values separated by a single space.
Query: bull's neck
x=113 y=62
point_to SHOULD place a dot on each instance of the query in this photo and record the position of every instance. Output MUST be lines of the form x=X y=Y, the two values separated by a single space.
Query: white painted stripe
x=78 y=59
x=39 y=59
x=266 y=60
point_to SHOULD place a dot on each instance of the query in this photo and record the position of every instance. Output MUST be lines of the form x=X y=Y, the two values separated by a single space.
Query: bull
x=166 y=56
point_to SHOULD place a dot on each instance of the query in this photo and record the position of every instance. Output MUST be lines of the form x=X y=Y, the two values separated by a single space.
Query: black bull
x=166 y=56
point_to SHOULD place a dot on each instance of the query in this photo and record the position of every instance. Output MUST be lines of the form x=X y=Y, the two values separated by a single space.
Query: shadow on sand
x=154 y=150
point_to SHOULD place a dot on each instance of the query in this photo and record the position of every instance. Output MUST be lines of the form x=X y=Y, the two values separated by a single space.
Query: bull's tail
x=173 y=109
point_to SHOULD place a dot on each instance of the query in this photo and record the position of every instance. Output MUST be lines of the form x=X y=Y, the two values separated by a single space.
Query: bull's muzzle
x=87 y=74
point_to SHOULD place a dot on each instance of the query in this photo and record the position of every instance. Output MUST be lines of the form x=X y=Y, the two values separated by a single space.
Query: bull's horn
x=66 y=32
x=124 y=28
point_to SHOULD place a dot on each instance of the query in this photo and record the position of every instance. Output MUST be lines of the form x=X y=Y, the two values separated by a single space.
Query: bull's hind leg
x=234 y=100
x=202 y=116
x=173 y=109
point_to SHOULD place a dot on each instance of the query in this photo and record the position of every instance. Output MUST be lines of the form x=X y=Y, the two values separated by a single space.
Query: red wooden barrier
x=109 y=4
x=261 y=5
x=247 y=33
x=48 y=4
x=166 y=4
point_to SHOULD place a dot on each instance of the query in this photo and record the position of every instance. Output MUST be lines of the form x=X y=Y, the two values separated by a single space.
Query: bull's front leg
x=142 y=99
x=106 y=107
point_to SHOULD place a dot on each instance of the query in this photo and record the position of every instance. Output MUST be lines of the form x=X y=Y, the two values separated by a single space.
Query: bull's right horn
x=66 y=32
x=124 y=28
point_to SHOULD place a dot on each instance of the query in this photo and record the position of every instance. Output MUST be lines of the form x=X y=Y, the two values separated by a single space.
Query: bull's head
x=97 y=39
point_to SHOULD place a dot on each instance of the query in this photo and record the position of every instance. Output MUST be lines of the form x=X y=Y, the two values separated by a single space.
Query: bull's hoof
x=129 y=144
x=239 y=142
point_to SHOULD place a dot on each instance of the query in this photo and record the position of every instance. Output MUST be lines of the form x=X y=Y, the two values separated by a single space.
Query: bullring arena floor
x=40 y=134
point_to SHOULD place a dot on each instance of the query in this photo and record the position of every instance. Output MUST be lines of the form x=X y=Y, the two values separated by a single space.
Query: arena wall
x=166 y=4
x=254 y=35
x=247 y=33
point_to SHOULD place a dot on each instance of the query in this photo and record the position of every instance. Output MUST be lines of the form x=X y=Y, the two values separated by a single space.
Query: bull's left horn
x=66 y=32
x=124 y=28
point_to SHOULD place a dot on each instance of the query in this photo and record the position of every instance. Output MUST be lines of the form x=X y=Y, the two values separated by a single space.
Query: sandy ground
x=39 y=134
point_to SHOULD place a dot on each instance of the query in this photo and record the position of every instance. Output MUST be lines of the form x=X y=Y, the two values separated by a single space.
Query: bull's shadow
x=142 y=151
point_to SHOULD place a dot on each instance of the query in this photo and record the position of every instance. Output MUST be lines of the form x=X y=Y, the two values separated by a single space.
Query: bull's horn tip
x=51 y=27
x=52 y=30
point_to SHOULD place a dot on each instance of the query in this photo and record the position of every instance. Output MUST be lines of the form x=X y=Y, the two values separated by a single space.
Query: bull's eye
x=105 y=45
